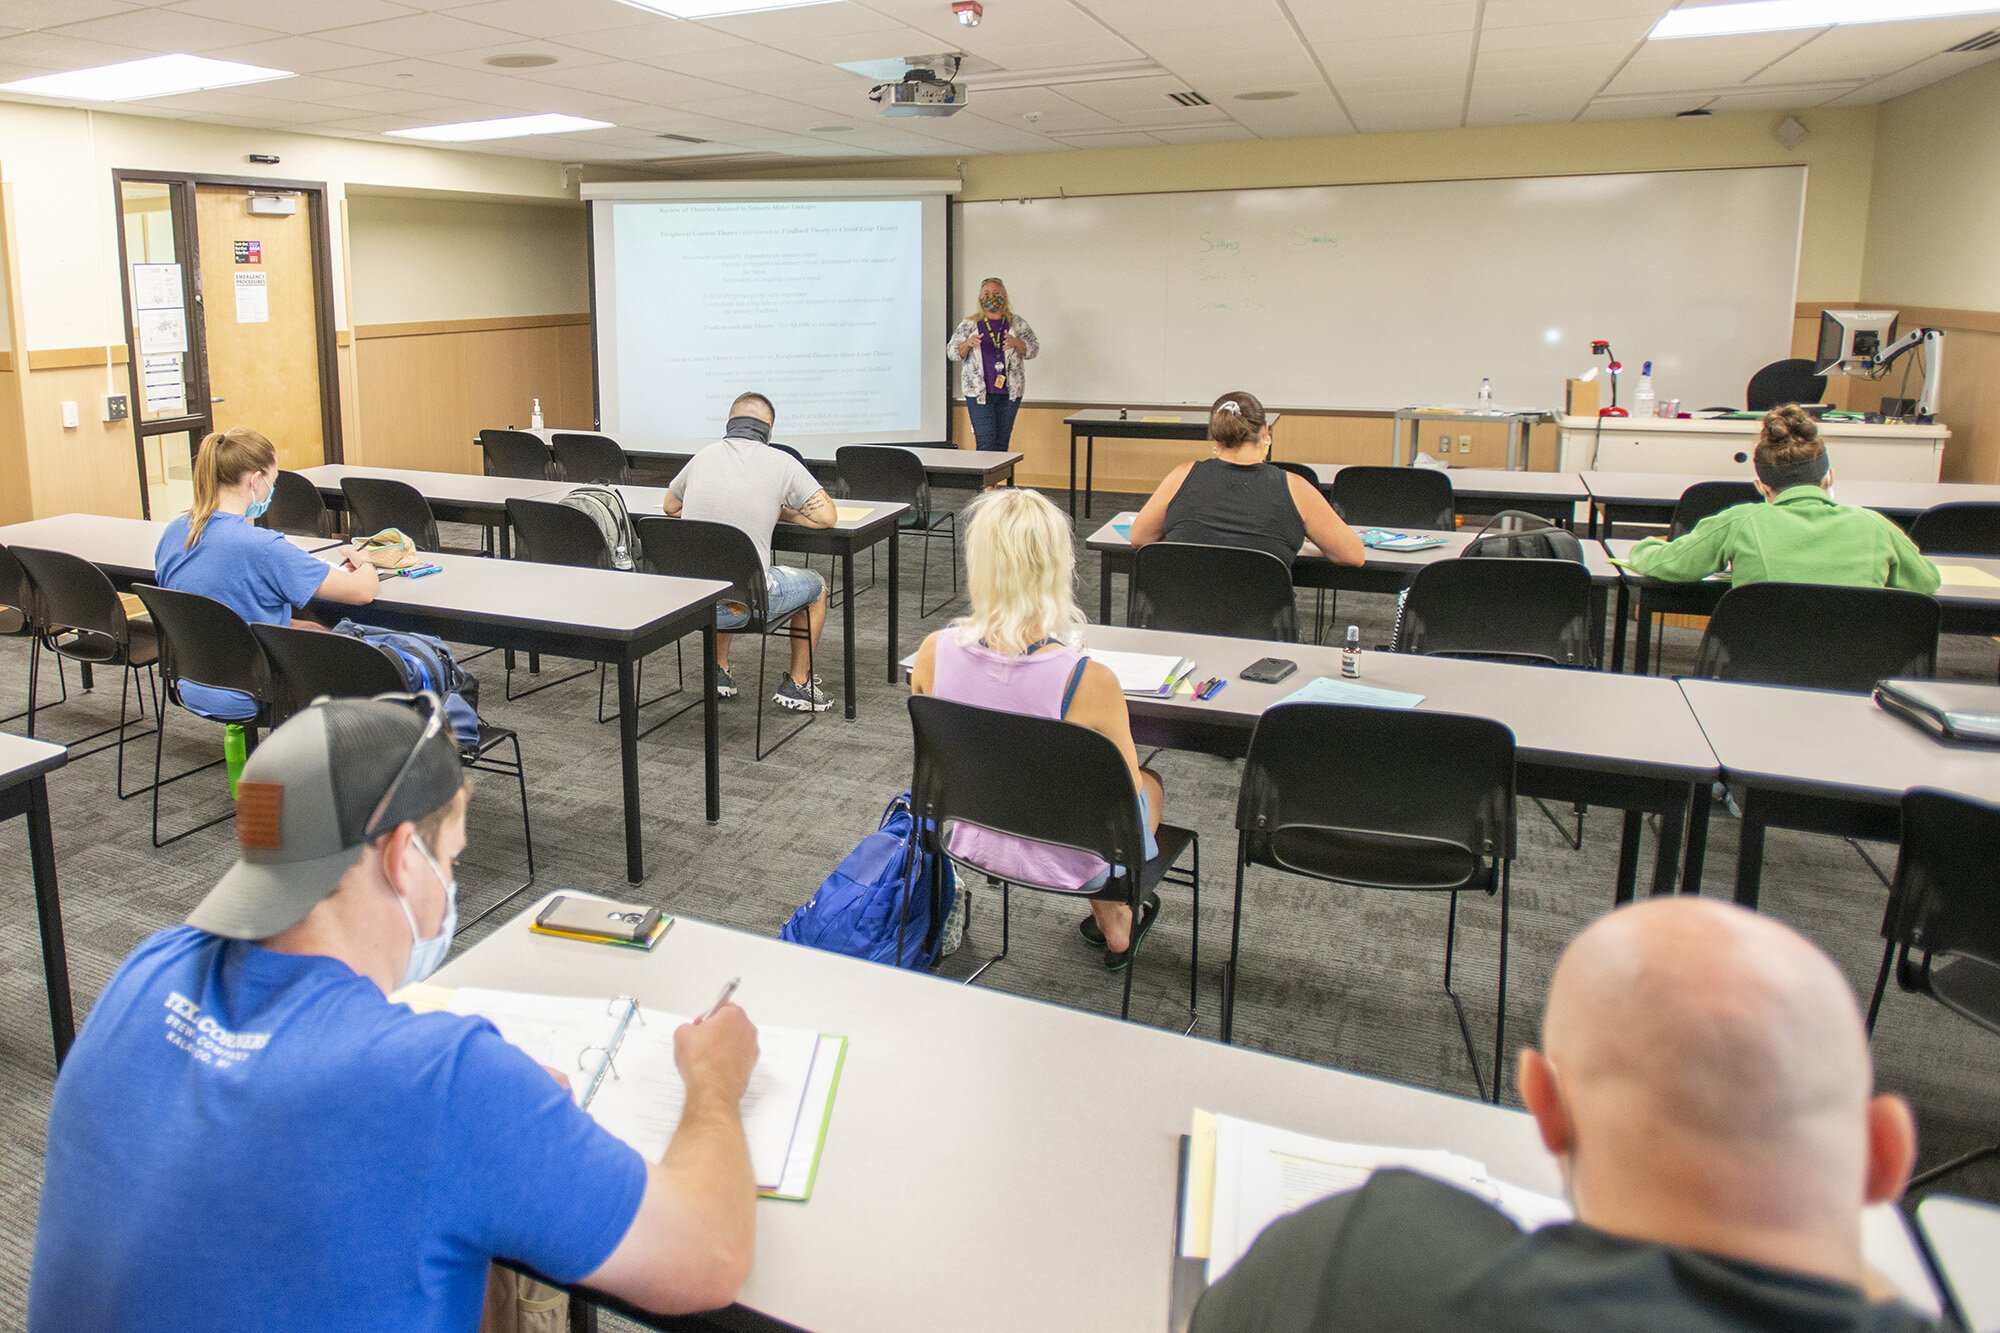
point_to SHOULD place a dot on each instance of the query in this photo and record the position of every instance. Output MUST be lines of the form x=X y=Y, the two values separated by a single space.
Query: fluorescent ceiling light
x=507 y=127
x=1782 y=15
x=154 y=76
x=715 y=9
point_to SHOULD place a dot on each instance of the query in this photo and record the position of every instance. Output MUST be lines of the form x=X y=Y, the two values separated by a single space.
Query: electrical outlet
x=69 y=416
x=1444 y=444
x=1465 y=444
x=116 y=407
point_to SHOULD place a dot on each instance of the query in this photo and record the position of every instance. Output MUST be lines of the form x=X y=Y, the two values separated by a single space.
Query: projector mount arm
x=1931 y=343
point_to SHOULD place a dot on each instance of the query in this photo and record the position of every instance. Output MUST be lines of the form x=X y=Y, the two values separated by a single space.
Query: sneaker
x=801 y=698
x=725 y=684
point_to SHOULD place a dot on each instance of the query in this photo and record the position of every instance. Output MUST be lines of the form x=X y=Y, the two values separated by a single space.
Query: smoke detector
x=968 y=12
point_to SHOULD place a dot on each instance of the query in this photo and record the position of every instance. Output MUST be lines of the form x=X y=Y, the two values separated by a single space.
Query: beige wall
x=420 y=259
x=1934 y=213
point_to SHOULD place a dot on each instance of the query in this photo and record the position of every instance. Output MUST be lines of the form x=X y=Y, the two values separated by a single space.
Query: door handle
x=218 y=400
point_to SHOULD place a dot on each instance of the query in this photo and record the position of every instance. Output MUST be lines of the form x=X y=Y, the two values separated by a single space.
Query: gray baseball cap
x=304 y=803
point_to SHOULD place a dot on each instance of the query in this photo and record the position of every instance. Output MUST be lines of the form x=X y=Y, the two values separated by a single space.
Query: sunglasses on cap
x=432 y=708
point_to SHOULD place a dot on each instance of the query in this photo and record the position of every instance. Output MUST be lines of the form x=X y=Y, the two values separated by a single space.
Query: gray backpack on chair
x=1533 y=538
x=607 y=510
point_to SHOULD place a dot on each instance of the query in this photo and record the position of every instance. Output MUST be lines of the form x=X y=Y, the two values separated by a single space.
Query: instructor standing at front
x=992 y=345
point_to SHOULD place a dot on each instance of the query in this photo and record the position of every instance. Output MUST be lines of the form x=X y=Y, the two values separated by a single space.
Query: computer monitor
x=1851 y=341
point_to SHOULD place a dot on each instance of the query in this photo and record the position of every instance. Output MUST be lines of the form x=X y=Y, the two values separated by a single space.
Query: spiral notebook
x=619 y=1057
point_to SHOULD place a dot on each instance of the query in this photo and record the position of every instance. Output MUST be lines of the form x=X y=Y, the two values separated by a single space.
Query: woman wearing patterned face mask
x=991 y=346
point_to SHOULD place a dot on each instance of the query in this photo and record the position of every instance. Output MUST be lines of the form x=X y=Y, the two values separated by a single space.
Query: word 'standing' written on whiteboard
x=1374 y=296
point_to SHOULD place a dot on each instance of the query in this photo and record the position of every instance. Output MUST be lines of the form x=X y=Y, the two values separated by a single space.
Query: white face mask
x=427 y=956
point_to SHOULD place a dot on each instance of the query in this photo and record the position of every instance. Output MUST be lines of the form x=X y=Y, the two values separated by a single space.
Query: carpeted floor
x=1331 y=976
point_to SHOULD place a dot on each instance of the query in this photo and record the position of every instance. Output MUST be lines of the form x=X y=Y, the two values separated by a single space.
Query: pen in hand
x=721 y=999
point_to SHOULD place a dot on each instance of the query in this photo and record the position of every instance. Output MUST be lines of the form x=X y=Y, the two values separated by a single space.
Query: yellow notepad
x=853 y=513
x=1161 y=421
x=1967 y=576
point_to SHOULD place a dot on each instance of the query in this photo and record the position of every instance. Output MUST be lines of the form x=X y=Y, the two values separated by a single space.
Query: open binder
x=619 y=1056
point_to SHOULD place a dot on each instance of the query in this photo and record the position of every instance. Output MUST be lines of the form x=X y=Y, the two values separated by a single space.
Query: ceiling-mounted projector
x=922 y=91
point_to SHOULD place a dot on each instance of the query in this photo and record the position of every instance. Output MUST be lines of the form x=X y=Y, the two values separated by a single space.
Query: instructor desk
x=24 y=790
x=1115 y=423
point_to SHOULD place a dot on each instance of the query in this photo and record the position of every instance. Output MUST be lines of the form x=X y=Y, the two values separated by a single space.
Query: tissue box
x=1580 y=398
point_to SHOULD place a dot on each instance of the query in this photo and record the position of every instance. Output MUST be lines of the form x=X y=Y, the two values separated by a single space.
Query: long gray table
x=946 y=467
x=1586 y=737
x=24 y=792
x=1120 y=423
x=1021 y=1159
x=1649 y=497
x=1963 y=1237
x=591 y=614
x=1381 y=571
x=1824 y=763
x=1550 y=495
x=459 y=497
x=880 y=522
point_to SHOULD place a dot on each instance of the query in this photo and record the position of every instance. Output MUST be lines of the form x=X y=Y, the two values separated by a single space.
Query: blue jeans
x=792 y=591
x=993 y=420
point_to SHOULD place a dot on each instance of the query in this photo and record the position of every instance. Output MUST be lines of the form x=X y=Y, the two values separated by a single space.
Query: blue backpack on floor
x=856 y=908
x=428 y=664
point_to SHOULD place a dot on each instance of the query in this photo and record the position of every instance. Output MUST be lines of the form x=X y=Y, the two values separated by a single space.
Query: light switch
x=69 y=414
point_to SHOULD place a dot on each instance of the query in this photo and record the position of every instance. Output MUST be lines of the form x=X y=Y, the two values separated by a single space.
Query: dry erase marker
x=421 y=571
x=721 y=999
x=1220 y=685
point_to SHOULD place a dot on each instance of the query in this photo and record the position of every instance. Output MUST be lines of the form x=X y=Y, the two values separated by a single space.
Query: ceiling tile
x=52 y=51
x=420 y=35
x=164 y=30
x=1703 y=62
x=1873 y=50
x=301 y=55
x=28 y=15
x=539 y=18
x=293 y=16
x=1343 y=20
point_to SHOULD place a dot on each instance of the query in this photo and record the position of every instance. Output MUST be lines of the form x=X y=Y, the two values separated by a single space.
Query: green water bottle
x=235 y=749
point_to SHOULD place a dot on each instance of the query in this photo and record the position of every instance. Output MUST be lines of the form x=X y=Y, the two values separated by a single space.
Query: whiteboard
x=1374 y=297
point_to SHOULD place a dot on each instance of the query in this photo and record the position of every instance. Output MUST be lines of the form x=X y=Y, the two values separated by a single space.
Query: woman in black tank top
x=1238 y=499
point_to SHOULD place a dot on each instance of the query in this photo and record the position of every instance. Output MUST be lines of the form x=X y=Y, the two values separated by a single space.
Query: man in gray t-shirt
x=742 y=481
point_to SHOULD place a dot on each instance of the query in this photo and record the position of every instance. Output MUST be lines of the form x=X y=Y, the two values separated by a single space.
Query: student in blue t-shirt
x=216 y=549
x=248 y=1134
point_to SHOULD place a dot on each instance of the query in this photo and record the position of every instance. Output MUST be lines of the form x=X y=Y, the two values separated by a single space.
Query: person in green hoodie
x=1802 y=535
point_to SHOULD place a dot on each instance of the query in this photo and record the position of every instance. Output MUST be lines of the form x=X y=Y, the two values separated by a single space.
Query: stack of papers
x=1152 y=675
x=1385 y=540
x=619 y=1058
x=1243 y=1176
x=1327 y=690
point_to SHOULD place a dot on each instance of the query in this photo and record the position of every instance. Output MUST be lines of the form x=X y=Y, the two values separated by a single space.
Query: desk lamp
x=1599 y=347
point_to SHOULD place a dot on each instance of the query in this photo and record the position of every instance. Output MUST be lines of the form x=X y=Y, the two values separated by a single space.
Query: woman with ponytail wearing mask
x=217 y=550
x=1801 y=534
x=991 y=346
x=1236 y=498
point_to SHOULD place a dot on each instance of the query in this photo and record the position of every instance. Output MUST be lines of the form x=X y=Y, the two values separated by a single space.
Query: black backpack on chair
x=1533 y=538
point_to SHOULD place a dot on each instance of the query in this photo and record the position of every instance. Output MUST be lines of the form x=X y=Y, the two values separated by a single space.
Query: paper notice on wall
x=164 y=386
x=156 y=286
x=253 y=299
x=162 y=331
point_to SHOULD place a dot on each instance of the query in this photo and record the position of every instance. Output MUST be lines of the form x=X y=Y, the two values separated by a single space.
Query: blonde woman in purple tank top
x=1015 y=652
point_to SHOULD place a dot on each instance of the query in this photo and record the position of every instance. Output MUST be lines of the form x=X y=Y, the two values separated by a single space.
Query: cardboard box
x=1580 y=398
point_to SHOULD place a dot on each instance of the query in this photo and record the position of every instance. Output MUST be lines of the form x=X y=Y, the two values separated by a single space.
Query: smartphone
x=1268 y=670
x=599 y=917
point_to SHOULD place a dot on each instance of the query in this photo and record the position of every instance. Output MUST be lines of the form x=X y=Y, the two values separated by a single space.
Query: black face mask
x=748 y=428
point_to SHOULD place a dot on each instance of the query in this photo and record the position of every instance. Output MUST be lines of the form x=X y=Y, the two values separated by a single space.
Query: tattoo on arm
x=817 y=505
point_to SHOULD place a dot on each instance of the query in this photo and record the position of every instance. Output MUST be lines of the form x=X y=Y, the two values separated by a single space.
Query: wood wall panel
x=422 y=397
x=16 y=492
x=93 y=469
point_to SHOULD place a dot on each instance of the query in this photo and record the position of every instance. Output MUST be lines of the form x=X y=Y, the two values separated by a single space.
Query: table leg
x=1628 y=858
x=48 y=908
x=1089 y=471
x=847 y=626
x=628 y=761
x=1642 y=639
x=1697 y=837
x=895 y=606
x=711 y=724
x=1667 y=855
x=1072 y=472
x=1750 y=852
x=1598 y=600
x=1104 y=587
x=506 y=545
x=1618 y=626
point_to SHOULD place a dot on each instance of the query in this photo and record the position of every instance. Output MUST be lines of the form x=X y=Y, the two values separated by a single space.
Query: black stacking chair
x=375 y=504
x=1961 y=528
x=594 y=459
x=1657 y=598
x=515 y=453
x=884 y=472
x=1820 y=637
x=1704 y=498
x=76 y=613
x=552 y=533
x=1417 y=802
x=1507 y=610
x=17 y=620
x=1942 y=929
x=1394 y=497
x=691 y=549
x=1227 y=590
x=1788 y=381
x=203 y=642
x=990 y=768
x=296 y=506
x=310 y=664
x=1301 y=469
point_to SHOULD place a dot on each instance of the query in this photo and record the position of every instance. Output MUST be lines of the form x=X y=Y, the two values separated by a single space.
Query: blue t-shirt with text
x=248 y=1139
x=251 y=570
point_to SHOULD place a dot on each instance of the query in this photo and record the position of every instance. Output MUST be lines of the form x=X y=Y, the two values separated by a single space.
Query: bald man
x=1704 y=1081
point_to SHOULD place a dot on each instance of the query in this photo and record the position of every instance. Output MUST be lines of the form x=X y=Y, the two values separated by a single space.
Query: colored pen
x=721 y=999
x=1219 y=685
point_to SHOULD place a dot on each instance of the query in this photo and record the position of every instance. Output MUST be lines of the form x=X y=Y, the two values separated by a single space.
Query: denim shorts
x=792 y=590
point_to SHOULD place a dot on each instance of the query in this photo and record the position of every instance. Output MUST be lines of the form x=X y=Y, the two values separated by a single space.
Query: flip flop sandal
x=1118 y=962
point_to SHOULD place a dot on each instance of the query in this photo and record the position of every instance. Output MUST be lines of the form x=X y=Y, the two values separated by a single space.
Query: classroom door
x=261 y=321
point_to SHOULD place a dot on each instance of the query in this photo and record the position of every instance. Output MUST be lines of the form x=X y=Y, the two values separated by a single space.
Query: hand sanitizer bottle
x=1350 y=654
x=1646 y=404
x=535 y=417
x=1486 y=395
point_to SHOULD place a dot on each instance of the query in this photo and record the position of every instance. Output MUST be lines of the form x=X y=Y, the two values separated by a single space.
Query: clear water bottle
x=1350 y=654
x=1486 y=395
x=535 y=417
x=1646 y=404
